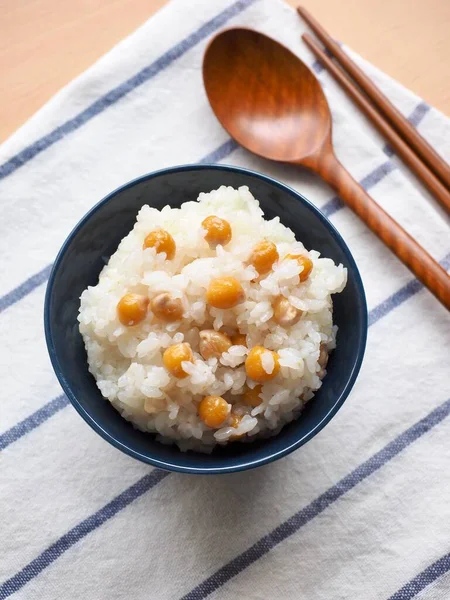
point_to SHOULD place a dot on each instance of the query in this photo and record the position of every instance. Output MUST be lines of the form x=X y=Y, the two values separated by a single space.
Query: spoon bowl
x=278 y=113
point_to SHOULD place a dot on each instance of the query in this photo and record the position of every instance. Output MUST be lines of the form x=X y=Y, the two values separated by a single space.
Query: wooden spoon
x=273 y=105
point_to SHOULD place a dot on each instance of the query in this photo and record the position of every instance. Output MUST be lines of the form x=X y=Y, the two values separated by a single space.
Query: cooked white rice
x=127 y=361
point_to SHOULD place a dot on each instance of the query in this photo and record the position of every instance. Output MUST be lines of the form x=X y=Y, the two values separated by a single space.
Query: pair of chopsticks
x=420 y=157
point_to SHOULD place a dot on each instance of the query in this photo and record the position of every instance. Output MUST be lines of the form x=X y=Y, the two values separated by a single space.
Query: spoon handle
x=424 y=267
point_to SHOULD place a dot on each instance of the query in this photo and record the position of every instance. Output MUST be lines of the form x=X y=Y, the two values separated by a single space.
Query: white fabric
x=367 y=544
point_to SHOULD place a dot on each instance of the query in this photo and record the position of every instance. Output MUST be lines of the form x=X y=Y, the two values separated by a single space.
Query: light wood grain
x=45 y=43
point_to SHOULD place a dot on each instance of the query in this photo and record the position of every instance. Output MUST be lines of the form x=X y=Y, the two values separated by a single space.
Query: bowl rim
x=171 y=466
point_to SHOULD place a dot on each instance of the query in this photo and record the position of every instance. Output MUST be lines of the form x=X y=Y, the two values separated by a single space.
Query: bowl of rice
x=206 y=319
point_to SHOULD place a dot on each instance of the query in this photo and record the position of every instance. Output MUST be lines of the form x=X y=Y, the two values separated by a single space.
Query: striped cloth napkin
x=363 y=510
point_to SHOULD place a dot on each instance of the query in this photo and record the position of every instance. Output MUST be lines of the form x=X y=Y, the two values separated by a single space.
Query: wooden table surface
x=45 y=43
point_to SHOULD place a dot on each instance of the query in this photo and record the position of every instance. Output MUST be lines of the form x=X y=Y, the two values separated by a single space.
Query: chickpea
x=218 y=231
x=252 y=396
x=167 y=308
x=214 y=411
x=263 y=255
x=284 y=313
x=225 y=292
x=323 y=356
x=162 y=241
x=173 y=357
x=213 y=343
x=303 y=261
x=132 y=309
x=254 y=365
x=323 y=360
x=240 y=339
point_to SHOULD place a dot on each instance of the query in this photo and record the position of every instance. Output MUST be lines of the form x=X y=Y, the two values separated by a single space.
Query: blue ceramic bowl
x=97 y=236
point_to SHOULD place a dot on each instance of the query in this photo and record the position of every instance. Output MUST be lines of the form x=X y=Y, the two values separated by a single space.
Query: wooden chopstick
x=398 y=144
x=435 y=162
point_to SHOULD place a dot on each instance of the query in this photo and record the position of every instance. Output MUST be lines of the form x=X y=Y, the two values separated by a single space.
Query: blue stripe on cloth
x=317 y=506
x=417 y=115
x=220 y=153
x=423 y=579
x=317 y=67
x=123 y=89
x=33 y=421
x=415 y=119
x=263 y=546
x=368 y=182
x=24 y=288
x=44 y=413
x=77 y=533
x=216 y=155
x=403 y=294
